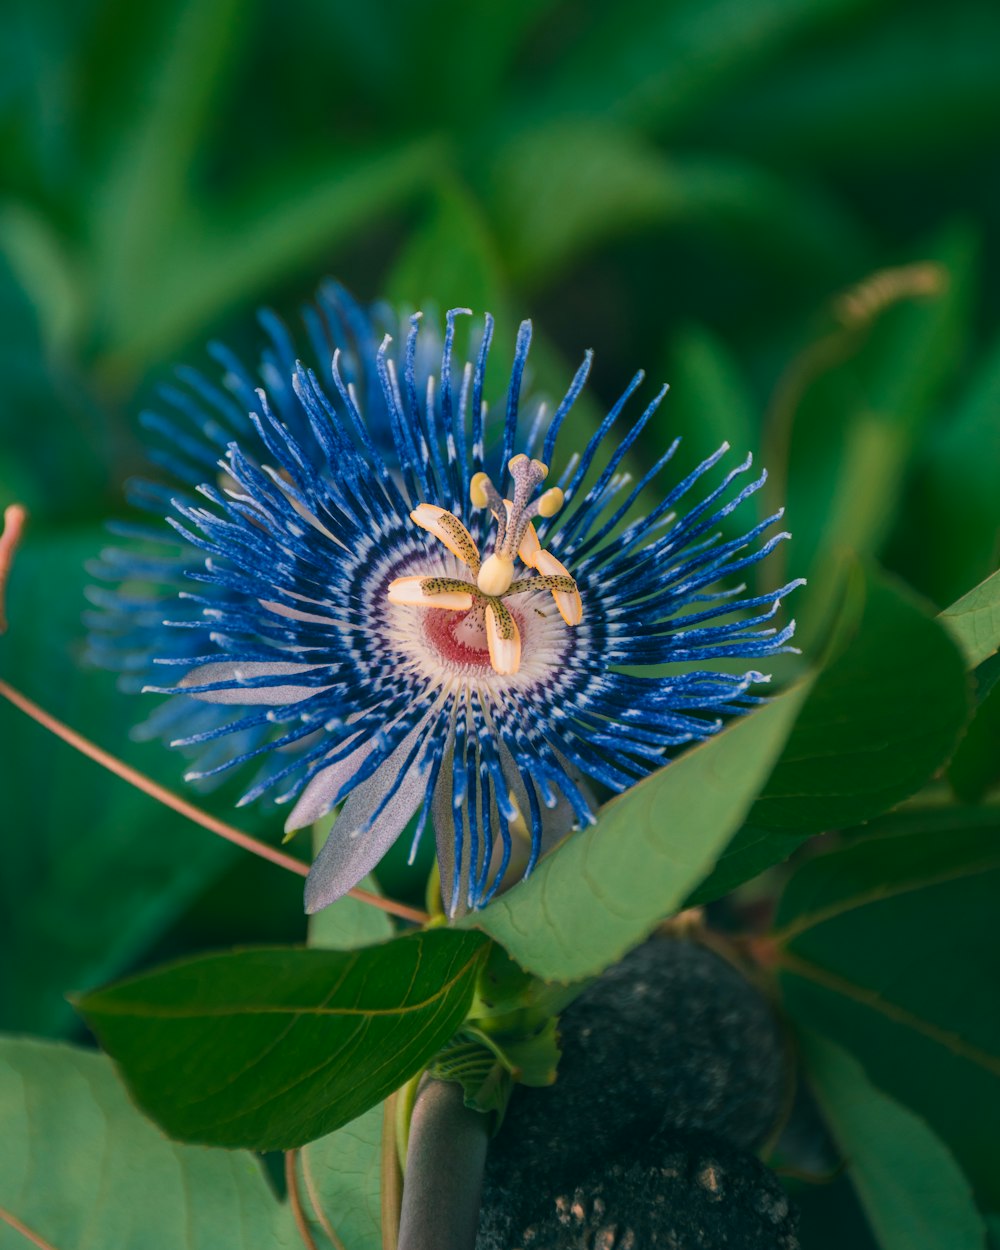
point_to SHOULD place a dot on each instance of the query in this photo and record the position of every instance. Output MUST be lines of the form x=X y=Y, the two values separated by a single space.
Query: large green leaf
x=955 y=536
x=287 y=218
x=274 y=1047
x=975 y=766
x=341 y=1178
x=94 y=871
x=608 y=886
x=881 y=718
x=451 y=261
x=340 y=1174
x=887 y=948
x=174 y=64
x=910 y=1185
x=80 y=1167
x=884 y=715
x=974 y=621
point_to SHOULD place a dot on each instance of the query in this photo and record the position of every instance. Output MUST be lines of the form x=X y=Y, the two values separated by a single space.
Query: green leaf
x=97 y=870
x=287 y=218
x=751 y=852
x=349 y=923
x=886 y=948
x=710 y=400
x=272 y=1048
x=881 y=718
x=974 y=621
x=975 y=767
x=955 y=532
x=607 y=886
x=341 y=1181
x=175 y=64
x=914 y=1193
x=79 y=1166
x=451 y=260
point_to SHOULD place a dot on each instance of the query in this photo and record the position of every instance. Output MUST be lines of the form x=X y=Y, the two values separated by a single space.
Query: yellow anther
x=550 y=501
x=477 y=490
x=568 y=602
x=430 y=592
x=530 y=546
x=503 y=639
x=446 y=527
x=496 y=575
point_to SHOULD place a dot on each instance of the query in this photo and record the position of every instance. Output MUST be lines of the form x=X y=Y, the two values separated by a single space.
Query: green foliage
x=270 y=1049
x=585 y=906
x=59 y=924
x=623 y=174
x=974 y=621
x=79 y=1165
x=341 y=1182
x=885 y=947
x=868 y=735
x=913 y=1191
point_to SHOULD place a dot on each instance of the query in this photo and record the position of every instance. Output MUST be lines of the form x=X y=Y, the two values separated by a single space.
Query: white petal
x=321 y=793
x=295 y=613
x=238 y=674
x=352 y=851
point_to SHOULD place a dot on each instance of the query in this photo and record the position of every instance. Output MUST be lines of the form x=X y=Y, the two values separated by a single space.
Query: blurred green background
x=684 y=185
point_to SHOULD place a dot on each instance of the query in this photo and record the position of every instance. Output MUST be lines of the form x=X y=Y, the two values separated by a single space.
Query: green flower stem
x=444 y=1171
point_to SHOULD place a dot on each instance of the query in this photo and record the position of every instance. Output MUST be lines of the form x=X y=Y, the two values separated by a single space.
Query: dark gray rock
x=673 y=1039
x=684 y=1194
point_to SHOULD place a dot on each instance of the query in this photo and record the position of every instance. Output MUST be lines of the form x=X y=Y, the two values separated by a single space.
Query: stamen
x=449 y=529
x=503 y=639
x=515 y=539
x=431 y=592
x=568 y=602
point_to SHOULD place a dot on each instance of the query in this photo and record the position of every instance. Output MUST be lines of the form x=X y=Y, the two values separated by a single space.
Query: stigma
x=498 y=576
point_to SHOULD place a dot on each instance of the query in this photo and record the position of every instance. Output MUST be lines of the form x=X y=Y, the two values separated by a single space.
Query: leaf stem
x=391 y=1175
x=162 y=795
x=295 y=1201
x=25 y=1231
x=444 y=1171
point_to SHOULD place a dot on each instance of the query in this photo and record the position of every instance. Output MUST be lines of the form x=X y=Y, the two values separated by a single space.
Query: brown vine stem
x=25 y=1231
x=167 y=797
x=14 y=518
x=295 y=1201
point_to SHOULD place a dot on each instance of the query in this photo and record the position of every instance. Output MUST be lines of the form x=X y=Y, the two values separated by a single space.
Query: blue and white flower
x=406 y=608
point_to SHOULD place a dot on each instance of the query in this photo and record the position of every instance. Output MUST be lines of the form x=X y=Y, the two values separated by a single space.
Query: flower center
x=495 y=577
